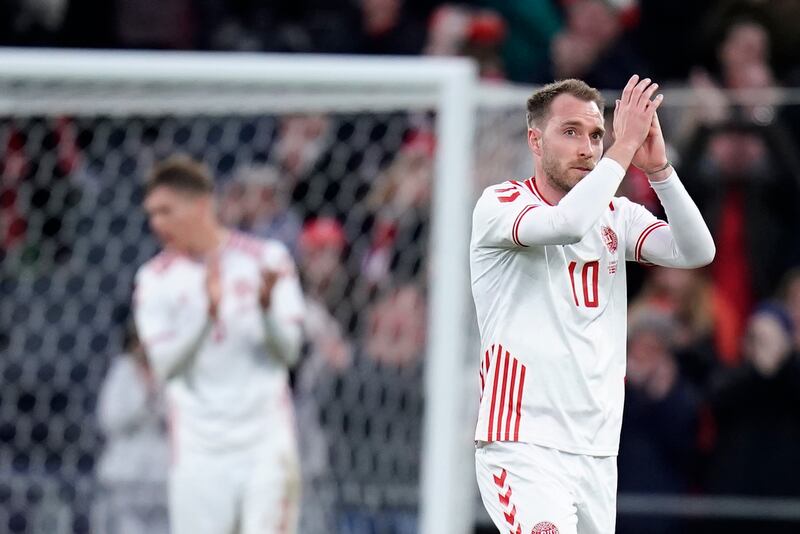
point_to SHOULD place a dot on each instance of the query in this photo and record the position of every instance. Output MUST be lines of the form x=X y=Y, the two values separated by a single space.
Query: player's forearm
x=283 y=337
x=572 y=218
x=687 y=243
x=175 y=353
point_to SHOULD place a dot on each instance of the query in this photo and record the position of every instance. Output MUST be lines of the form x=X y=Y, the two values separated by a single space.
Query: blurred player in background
x=219 y=315
x=132 y=470
x=547 y=261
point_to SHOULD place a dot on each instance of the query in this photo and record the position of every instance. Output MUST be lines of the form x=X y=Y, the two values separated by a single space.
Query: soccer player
x=547 y=261
x=219 y=315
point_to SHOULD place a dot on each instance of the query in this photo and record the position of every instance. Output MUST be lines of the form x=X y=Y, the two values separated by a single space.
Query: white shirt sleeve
x=283 y=320
x=496 y=213
x=575 y=214
x=685 y=242
x=171 y=338
x=122 y=402
x=521 y=223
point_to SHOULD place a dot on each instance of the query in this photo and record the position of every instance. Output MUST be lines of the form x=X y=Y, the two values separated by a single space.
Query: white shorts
x=243 y=492
x=529 y=489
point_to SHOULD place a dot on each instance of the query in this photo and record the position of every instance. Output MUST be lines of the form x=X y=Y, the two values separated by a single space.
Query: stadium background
x=712 y=402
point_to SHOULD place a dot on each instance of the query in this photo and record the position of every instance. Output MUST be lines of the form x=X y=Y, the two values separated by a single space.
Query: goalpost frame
x=446 y=85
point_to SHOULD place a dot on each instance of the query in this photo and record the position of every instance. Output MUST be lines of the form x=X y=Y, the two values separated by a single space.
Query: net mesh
x=348 y=192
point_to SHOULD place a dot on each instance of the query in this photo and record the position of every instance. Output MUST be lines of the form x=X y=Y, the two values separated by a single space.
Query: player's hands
x=652 y=155
x=268 y=280
x=213 y=286
x=633 y=117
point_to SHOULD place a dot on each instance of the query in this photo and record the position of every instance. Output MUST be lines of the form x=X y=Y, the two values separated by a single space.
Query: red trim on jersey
x=505 y=499
x=539 y=193
x=646 y=232
x=510 y=198
x=519 y=401
x=482 y=374
x=511 y=516
x=506 y=189
x=484 y=370
x=504 y=496
x=511 y=398
x=502 y=398
x=245 y=243
x=517 y=221
x=494 y=392
x=511 y=387
x=528 y=183
x=611 y=205
x=500 y=481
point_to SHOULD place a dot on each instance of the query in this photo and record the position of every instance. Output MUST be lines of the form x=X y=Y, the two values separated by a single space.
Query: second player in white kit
x=547 y=262
x=221 y=342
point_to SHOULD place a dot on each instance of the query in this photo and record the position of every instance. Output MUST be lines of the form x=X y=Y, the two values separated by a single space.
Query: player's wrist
x=622 y=152
x=659 y=173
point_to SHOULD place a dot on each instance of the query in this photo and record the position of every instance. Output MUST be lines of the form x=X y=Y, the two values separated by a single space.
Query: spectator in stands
x=38 y=194
x=257 y=201
x=529 y=29
x=377 y=455
x=745 y=178
x=322 y=250
x=170 y=27
x=390 y=27
x=15 y=167
x=301 y=141
x=757 y=408
x=790 y=297
x=400 y=201
x=595 y=47
x=31 y=22
x=132 y=470
x=333 y=161
x=327 y=353
x=461 y=31
x=700 y=318
x=658 y=21
x=659 y=428
x=743 y=64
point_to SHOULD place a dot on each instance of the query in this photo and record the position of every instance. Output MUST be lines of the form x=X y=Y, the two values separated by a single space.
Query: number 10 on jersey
x=588 y=282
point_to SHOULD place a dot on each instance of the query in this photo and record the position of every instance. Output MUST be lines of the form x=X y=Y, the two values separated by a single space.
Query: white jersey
x=234 y=392
x=552 y=322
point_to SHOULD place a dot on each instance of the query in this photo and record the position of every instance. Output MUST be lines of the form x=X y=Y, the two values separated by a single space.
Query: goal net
x=360 y=166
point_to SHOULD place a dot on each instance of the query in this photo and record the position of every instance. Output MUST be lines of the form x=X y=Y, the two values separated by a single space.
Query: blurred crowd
x=532 y=41
x=713 y=382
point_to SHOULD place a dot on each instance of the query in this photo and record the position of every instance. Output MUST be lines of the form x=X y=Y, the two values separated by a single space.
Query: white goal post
x=54 y=82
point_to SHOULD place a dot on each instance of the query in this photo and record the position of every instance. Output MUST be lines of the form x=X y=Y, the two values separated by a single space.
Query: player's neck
x=551 y=193
x=209 y=240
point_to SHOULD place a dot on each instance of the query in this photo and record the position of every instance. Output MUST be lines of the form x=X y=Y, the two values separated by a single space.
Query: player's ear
x=535 y=140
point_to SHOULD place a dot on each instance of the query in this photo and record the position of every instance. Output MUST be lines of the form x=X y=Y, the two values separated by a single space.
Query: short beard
x=555 y=175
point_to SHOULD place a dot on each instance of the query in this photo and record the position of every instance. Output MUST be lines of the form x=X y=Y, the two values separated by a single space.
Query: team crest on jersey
x=545 y=527
x=609 y=238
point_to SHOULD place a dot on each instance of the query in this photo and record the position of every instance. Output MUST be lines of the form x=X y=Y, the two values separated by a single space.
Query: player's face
x=174 y=216
x=571 y=143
